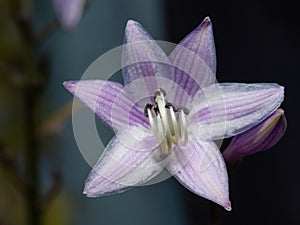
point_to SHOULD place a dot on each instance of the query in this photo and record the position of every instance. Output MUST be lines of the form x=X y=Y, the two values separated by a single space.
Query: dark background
x=256 y=41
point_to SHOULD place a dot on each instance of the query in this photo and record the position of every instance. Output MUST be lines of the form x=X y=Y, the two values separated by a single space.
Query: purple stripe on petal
x=194 y=60
x=201 y=41
x=259 y=138
x=110 y=103
x=229 y=109
x=142 y=57
x=200 y=167
x=130 y=159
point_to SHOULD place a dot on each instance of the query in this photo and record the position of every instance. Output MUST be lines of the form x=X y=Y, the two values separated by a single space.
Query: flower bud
x=259 y=138
x=69 y=12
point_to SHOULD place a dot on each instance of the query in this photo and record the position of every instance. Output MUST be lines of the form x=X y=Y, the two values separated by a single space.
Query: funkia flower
x=259 y=138
x=169 y=113
x=69 y=12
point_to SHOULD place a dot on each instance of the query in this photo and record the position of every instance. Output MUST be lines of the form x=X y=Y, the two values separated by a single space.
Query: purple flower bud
x=69 y=12
x=259 y=138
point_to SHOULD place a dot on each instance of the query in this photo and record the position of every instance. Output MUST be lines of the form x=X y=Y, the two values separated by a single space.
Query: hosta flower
x=259 y=138
x=69 y=12
x=169 y=113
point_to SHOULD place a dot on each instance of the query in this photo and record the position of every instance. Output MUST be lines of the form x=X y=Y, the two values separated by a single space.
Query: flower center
x=168 y=122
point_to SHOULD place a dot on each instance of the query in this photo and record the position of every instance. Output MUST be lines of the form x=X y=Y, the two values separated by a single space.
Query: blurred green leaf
x=12 y=170
x=11 y=115
x=58 y=212
x=10 y=42
x=12 y=204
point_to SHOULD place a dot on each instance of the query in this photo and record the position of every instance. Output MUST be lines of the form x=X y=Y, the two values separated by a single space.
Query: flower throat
x=168 y=122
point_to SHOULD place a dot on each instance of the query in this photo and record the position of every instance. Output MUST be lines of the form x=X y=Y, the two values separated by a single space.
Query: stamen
x=160 y=91
x=169 y=105
x=183 y=131
x=175 y=125
x=148 y=106
x=164 y=145
x=160 y=100
x=186 y=110
x=158 y=131
x=165 y=126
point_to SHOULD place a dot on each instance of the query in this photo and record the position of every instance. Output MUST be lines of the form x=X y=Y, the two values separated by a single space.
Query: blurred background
x=43 y=43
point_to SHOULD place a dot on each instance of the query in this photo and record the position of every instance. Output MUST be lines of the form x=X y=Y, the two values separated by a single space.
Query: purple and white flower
x=180 y=113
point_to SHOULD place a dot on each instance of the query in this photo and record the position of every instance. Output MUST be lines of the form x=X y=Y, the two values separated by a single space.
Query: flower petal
x=69 y=12
x=108 y=100
x=200 y=167
x=142 y=57
x=130 y=159
x=259 y=138
x=194 y=59
x=231 y=108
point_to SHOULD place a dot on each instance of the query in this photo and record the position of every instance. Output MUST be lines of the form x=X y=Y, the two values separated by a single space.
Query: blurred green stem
x=32 y=165
x=30 y=97
x=47 y=30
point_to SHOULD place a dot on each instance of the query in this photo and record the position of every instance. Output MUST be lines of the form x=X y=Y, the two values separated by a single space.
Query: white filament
x=158 y=131
x=165 y=134
x=175 y=125
x=183 y=131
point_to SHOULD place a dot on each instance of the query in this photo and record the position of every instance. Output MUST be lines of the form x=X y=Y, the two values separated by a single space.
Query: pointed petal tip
x=207 y=19
x=85 y=189
x=280 y=111
x=205 y=26
x=131 y=22
x=135 y=32
x=276 y=117
x=205 y=23
x=89 y=195
x=85 y=192
x=227 y=206
x=88 y=191
x=281 y=115
x=70 y=85
x=132 y=25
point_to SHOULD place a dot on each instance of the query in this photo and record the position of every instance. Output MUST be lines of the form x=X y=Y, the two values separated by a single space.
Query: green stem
x=47 y=30
x=31 y=152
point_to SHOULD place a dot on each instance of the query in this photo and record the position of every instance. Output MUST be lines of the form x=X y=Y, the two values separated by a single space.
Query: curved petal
x=142 y=57
x=194 y=59
x=130 y=159
x=231 y=108
x=259 y=138
x=108 y=100
x=202 y=172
